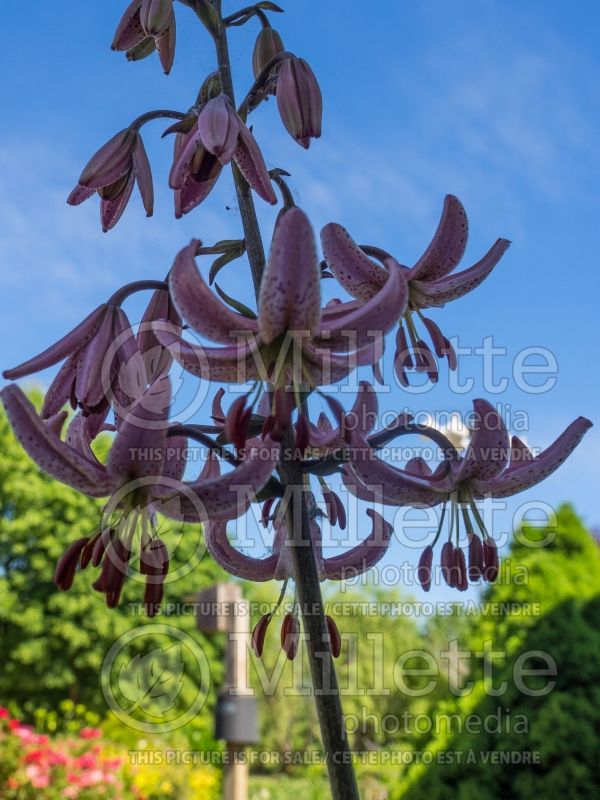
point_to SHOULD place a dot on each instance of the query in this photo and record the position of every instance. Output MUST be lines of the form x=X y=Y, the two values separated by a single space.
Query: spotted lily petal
x=365 y=555
x=436 y=293
x=234 y=562
x=531 y=472
x=290 y=293
x=199 y=306
x=252 y=165
x=448 y=244
x=219 y=128
x=488 y=452
x=357 y=273
x=143 y=174
x=50 y=453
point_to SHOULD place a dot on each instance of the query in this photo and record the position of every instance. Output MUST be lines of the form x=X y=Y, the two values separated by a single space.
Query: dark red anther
x=475 y=558
x=491 y=564
x=259 y=633
x=66 y=566
x=461 y=569
x=335 y=640
x=424 y=568
x=290 y=635
x=447 y=562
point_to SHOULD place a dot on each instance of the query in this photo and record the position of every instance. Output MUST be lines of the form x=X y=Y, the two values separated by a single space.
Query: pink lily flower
x=293 y=341
x=144 y=471
x=112 y=173
x=146 y=26
x=494 y=465
x=218 y=137
x=430 y=282
x=86 y=379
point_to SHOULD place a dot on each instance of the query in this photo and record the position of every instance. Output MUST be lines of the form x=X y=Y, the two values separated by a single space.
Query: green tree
x=559 y=725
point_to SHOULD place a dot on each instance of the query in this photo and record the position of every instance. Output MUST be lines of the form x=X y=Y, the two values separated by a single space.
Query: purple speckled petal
x=534 y=471
x=252 y=165
x=187 y=145
x=157 y=360
x=489 y=449
x=365 y=555
x=290 y=292
x=49 y=452
x=199 y=306
x=165 y=44
x=193 y=192
x=436 y=293
x=111 y=211
x=234 y=364
x=73 y=341
x=79 y=195
x=357 y=273
x=62 y=387
x=372 y=319
x=234 y=562
x=129 y=32
x=447 y=246
x=89 y=387
x=229 y=496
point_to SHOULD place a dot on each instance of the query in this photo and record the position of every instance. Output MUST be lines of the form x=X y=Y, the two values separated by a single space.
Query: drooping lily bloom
x=493 y=465
x=146 y=26
x=293 y=341
x=430 y=281
x=299 y=100
x=143 y=473
x=218 y=137
x=96 y=350
x=112 y=173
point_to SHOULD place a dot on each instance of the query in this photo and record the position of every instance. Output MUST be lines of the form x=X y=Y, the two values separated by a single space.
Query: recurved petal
x=365 y=555
x=448 y=244
x=234 y=364
x=290 y=292
x=234 y=562
x=73 y=341
x=252 y=165
x=357 y=273
x=488 y=452
x=535 y=470
x=229 y=496
x=48 y=451
x=62 y=387
x=425 y=293
x=323 y=368
x=157 y=360
x=91 y=384
x=372 y=319
x=207 y=314
x=390 y=485
x=187 y=147
x=143 y=174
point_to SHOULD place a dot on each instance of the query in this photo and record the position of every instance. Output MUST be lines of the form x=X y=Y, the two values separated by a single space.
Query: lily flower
x=87 y=379
x=143 y=472
x=218 y=137
x=146 y=26
x=299 y=100
x=430 y=282
x=493 y=465
x=112 y=173
x=292 y=341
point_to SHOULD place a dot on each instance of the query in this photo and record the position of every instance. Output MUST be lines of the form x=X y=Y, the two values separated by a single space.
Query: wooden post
x=221 y=609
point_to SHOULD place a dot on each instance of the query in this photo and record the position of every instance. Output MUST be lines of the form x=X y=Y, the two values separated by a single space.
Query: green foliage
x=558 y=726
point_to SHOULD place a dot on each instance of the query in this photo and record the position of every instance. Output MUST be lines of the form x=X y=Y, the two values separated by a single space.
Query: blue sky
x=494 y=100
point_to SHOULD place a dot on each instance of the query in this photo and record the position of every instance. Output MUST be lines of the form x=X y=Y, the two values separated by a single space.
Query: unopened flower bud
x=299 y=100
x=268 y=45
